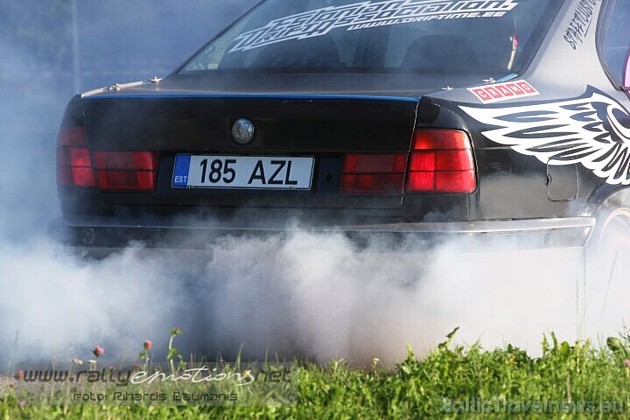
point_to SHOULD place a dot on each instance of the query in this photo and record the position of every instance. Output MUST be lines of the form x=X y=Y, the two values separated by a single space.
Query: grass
x=441 y=384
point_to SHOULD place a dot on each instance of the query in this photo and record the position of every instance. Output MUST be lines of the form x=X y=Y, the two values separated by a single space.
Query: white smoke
x=310 y=295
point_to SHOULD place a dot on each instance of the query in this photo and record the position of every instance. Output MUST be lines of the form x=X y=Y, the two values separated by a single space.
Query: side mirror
x=626 y=73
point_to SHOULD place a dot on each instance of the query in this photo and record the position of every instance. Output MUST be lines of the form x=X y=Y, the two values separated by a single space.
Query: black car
x=403 y=117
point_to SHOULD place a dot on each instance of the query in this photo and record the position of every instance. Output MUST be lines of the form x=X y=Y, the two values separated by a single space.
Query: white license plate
x=251 y=172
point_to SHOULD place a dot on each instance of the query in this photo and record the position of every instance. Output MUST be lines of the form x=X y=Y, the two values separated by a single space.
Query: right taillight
x=441 y=161
x=373 y=174
x=74 y=165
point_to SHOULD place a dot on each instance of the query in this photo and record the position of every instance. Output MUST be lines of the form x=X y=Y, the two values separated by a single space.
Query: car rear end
x=325 y=160
x=268 y=137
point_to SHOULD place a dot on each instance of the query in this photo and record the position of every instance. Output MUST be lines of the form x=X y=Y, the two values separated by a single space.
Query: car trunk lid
x=325 y=129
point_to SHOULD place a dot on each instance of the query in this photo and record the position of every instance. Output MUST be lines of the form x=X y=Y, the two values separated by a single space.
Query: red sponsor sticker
x=503 y=91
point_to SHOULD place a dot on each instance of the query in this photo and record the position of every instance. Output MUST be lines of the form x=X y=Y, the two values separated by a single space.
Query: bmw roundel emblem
x=243 y=131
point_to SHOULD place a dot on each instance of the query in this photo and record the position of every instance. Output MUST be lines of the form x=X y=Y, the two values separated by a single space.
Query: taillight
x=74 y=166
x=126 y=171
x=382 y=174
x=441 y=161
x=107 y=170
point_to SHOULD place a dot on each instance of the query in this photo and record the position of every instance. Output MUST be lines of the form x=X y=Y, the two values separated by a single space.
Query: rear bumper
x=106 y=235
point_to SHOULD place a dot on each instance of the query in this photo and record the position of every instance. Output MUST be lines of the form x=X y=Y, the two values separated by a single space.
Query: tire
x=605 y=302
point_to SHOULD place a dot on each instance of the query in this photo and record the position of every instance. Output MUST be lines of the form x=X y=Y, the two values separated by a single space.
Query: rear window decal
x=503 y=91
x=592 y=130
x=580 y=22
x=367 y=14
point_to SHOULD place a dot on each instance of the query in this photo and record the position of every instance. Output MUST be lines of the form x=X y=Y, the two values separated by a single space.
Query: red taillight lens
x=441 y=161
x=381 y=174
x=74 y=166
x=126 y=171
x=112 y=171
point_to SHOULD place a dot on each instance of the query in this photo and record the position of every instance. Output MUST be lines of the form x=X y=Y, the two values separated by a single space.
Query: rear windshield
x=490 y=38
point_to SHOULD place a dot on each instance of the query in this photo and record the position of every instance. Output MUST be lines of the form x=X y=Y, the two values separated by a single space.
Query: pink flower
x=98 y=351
x=627 y=363
x=148 y=344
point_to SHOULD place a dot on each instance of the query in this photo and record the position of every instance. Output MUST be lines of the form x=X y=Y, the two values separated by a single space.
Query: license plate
x=249 y=172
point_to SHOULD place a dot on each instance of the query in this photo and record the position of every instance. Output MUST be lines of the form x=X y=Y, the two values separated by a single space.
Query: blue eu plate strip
x=180 y=174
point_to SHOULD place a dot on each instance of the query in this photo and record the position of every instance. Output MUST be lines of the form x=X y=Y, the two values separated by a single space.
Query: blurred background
x=52 y=49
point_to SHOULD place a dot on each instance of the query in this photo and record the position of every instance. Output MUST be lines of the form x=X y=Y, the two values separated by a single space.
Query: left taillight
x=74 y=164
x=126 y=171
x=77 y=166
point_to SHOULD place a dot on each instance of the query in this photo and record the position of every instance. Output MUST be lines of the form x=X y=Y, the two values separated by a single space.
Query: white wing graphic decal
x=593 y=130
